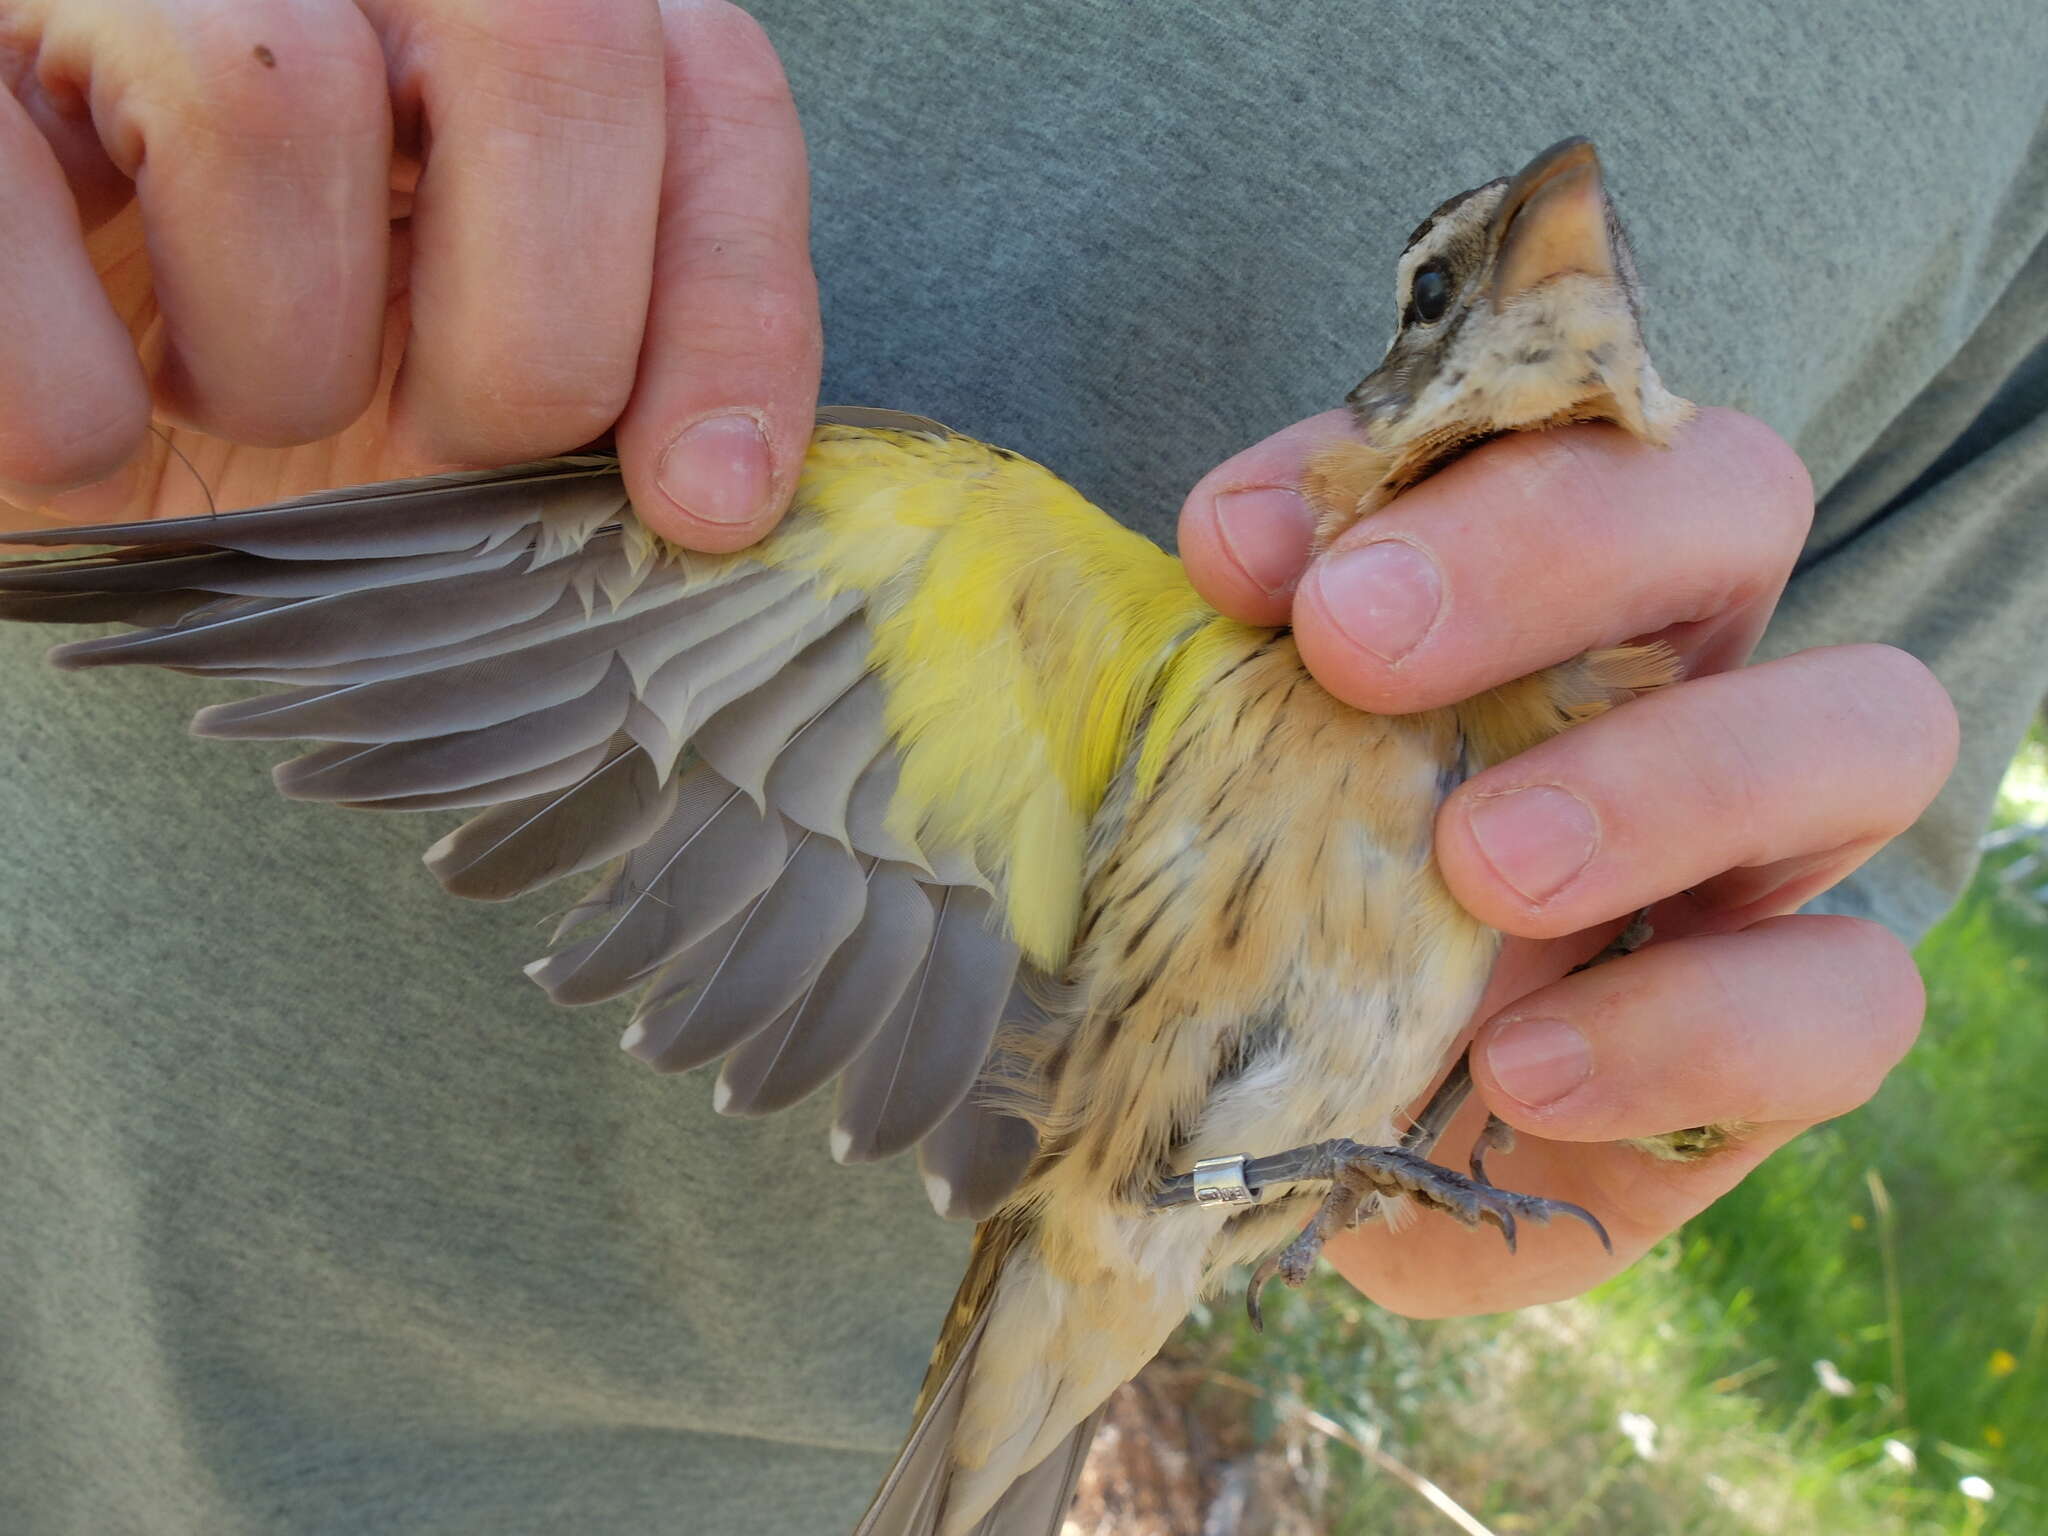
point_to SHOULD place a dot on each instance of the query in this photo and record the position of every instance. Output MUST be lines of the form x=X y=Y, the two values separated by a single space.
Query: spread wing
x=837 y=788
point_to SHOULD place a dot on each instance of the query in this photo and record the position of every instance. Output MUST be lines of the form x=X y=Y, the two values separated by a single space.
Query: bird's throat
x=1350 y=479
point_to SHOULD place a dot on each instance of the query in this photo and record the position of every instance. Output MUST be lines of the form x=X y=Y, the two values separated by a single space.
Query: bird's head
x=1519 y=309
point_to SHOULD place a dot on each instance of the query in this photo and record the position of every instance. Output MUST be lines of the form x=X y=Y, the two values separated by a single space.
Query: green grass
x=1907 y=1244
x=1956 y=1140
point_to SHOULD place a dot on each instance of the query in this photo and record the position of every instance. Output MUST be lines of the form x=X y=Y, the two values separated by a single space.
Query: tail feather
x=1036 y=1504
x=917 y=1498
x=913 y=1497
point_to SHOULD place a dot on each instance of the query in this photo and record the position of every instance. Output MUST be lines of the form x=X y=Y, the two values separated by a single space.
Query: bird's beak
x=1551 y=221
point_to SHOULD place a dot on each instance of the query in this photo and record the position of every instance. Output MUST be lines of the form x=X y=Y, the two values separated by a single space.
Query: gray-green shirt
x=319 y=1219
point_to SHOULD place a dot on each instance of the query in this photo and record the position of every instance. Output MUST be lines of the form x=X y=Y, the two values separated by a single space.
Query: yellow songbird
x=956 y=791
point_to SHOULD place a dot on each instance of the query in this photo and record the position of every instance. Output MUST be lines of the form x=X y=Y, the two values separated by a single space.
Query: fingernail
x=1539 y=1061
x=1267 y=531
x=1383 y=597
x=1536 y=839
x=718 y=471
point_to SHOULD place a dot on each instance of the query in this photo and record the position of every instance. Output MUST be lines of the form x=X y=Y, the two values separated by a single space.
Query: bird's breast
x=1269 y=956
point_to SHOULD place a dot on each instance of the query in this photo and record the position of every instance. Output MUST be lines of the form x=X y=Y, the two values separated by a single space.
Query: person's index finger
x=259 y=138
x=1540 y=546
x=532 y=225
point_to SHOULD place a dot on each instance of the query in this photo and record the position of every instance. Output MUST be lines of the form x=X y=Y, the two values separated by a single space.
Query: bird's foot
x=1359 y=1173
x=1627 y=942
x=1694 y=1144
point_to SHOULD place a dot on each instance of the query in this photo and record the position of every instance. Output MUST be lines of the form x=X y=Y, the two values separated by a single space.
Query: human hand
x=323 y=242
x=1723 y=803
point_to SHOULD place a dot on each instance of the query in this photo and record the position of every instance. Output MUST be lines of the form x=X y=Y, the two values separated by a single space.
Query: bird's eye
x=1430 y=294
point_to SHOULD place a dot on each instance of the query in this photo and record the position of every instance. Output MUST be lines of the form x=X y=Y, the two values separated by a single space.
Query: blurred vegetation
x=1855 y=1340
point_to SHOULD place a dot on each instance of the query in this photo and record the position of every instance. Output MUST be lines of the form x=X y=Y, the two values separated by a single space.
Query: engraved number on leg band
x=1220 y=1181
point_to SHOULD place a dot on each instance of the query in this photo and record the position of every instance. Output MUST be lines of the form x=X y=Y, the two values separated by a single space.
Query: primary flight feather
x=953 y=790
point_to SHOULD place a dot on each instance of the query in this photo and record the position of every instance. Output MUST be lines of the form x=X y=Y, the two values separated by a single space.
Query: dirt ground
x=1175 y=1457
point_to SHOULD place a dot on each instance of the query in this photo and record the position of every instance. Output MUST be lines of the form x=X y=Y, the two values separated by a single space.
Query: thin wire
x=212 y=507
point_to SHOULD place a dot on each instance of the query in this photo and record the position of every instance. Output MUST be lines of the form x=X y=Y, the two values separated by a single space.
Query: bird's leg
x=1442 y=1108
x=1354 y=1196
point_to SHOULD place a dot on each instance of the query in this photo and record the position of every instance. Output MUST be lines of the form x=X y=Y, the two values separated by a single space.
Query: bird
x=954 y=790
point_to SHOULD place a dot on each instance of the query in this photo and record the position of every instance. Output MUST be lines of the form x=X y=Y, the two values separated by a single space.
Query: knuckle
x=722 y=16
x=573 y=33
x=739 y=111
x=744 y=306
x=556 y=410
x=1555 y=474
x=265 y=72
x=782 y=319
x=1643 y=1195
x=1920 y=699
x=1719 y=986
x=746 y=58
x=1763 y=505
x=746 y=248
x=1718 y=780
x=553 y=68
x=1860 y=979
x=545 y=411
x=1653 y=1200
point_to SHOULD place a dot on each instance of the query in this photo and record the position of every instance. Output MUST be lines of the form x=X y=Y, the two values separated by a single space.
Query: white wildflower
x=1976 y=1488
x=1831 y=1380
x=1900 y=1455
x=1640 y=1430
